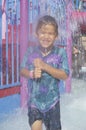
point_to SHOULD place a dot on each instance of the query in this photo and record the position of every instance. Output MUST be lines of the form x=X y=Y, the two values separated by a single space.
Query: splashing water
x=73 y=111
x=73 y=108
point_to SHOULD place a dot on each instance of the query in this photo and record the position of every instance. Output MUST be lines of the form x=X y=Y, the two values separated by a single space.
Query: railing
x=79 y=5
x=9 y=46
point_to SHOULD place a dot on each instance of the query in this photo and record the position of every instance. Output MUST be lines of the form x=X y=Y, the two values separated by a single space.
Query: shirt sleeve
x=24 y=60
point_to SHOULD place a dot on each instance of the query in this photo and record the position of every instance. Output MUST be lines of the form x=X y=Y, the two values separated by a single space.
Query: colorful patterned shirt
x=44 y=92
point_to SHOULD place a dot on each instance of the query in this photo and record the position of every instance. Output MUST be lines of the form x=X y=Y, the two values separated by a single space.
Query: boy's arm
x=25 y=72
x=59 y=73
x=36 y=73
x=56 y=73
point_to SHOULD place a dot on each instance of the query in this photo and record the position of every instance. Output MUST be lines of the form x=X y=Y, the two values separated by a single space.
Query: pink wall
x=69 y=46
x=23 y=46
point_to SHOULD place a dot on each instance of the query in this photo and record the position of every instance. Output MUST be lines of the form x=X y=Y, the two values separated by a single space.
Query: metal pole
x=23 y=46
x=69 y=48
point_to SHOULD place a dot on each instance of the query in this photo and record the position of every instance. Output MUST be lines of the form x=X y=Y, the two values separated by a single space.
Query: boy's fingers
x=37 y=73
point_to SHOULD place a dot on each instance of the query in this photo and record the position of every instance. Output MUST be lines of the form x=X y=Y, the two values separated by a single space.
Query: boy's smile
x=46 y=35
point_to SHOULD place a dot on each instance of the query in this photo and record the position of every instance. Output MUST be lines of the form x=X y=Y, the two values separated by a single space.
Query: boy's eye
x=42 y=32
x=49 y=33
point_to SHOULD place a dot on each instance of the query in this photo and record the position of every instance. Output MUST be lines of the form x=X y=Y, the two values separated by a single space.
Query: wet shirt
x=44 y=92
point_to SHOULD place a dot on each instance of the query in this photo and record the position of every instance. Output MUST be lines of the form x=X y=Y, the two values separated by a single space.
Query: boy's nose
x=46 y=35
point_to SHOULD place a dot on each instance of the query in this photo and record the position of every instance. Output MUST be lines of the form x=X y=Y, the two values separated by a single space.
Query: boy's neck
x=46 y=51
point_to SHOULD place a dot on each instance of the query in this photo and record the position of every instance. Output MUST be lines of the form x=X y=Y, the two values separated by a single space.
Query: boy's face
x=46 y=35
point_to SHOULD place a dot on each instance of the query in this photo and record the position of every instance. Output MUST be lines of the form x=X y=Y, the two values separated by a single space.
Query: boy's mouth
x=46 y=42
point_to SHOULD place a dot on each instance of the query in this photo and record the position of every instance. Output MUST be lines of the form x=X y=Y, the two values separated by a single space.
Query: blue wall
x=9 y=104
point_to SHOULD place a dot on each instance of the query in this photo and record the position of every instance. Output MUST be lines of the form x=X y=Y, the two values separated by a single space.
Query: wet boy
x=44 y=65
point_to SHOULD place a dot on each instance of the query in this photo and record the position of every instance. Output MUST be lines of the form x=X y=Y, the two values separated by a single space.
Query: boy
x=44 y=65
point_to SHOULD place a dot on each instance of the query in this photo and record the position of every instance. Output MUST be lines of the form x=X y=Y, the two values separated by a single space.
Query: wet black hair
x=47 y=19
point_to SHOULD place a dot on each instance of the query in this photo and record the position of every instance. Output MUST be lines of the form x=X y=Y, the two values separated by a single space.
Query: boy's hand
x=37 y=73
x=38 y=63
